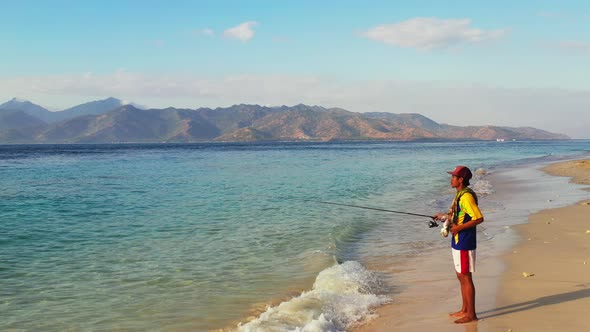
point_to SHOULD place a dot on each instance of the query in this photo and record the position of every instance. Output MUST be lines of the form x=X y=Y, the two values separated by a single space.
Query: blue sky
x=512 y=63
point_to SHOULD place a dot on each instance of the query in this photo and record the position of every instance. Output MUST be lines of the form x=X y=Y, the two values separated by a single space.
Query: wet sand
x=546 y=286
x=542 y=283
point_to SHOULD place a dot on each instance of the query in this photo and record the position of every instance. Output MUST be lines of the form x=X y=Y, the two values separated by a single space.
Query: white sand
x=554 y=246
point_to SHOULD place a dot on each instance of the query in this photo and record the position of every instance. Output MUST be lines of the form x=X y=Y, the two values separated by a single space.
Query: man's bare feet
x=457 y=314
x=466 y=319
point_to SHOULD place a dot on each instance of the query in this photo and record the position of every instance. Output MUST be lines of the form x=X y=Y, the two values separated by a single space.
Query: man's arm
x=441 y=216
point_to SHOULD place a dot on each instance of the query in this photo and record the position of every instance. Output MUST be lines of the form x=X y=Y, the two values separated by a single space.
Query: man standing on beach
x=465 y=215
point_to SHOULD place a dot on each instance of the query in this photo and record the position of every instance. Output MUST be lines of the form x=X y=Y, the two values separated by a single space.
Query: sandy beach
x=546 y=286
x=540 y=284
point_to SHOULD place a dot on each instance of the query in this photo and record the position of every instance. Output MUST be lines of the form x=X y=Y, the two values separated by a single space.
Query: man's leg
x=468 y=294
x=461 y=312
x=464 y=261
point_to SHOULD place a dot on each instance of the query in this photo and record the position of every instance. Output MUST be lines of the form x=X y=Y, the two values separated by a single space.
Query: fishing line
x=431 y=224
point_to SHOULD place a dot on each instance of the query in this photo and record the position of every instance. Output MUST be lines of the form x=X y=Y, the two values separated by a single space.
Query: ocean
x=232 y=236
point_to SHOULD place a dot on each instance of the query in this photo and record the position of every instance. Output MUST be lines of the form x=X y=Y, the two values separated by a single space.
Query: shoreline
x=546 y=285
x=502 y=301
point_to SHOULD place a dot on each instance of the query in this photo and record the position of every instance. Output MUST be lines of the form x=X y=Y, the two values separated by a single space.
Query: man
x=465 y=215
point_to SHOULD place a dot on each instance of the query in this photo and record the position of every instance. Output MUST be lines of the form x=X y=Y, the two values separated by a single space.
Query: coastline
x=546 y=285
x=506 y=300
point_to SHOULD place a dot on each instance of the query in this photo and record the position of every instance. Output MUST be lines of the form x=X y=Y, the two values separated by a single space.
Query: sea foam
x=481 y=185
x=341 y=295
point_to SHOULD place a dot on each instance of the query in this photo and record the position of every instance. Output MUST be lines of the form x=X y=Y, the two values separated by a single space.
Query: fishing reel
x=446 y=227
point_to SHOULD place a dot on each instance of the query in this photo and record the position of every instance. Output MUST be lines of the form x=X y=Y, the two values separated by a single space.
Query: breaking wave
x=341 y=296
x=480 y=184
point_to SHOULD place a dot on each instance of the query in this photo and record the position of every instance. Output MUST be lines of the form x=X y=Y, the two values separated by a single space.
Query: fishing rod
x=431 y=224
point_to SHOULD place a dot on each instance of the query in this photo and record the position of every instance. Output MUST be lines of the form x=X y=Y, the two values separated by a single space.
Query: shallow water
x=200 y=236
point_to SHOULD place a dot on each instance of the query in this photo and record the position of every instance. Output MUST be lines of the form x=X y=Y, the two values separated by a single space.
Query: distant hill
x=90 y=108
x=18 y=126
x=407 y=119
x=10 y=119
x=108 y=121
x=130 y=124
x=28 y=107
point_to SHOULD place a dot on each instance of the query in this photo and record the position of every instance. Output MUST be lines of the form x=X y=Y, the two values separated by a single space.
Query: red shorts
x=464 y=260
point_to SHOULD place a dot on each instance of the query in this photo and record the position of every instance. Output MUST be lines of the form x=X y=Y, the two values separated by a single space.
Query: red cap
x=462 y=172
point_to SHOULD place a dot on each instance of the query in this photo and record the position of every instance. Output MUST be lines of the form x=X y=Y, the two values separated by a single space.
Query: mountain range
x=113 y=121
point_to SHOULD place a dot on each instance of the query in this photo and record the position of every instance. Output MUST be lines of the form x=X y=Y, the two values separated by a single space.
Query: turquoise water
x=194 y=237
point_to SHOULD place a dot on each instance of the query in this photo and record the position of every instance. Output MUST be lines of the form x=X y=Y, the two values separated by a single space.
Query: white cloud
x=571 y=47
x=557 y=110
x=430 y=33
x=207 y=32
x=159 y=43
x=280 y=39
x=549 y=14
x=243 y=32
